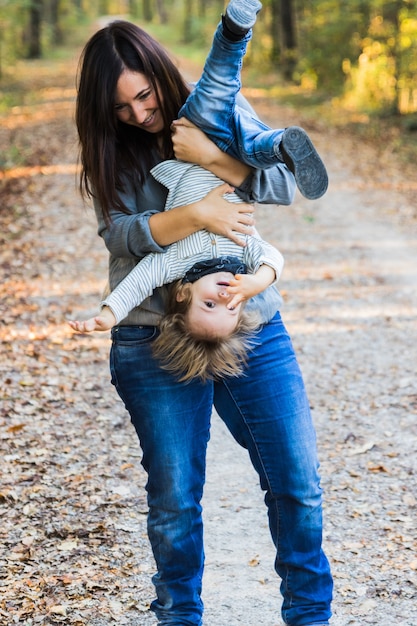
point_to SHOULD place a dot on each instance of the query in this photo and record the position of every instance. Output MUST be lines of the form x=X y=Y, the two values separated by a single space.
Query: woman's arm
x=274 y=185
x=192 y=145
x=212 y=213
x=148 y=228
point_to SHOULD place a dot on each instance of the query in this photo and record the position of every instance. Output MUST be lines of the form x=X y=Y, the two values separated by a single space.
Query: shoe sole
x=243 y=17
x=309 y=171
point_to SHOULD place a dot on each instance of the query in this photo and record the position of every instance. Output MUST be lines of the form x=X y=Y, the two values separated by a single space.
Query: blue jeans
x=212 y=107
x=267 y=412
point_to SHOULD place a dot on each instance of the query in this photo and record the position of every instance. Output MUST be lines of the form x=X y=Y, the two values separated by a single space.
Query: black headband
x=222 y=264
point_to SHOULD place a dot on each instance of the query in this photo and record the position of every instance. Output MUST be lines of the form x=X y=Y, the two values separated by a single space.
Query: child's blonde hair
x=190 y=355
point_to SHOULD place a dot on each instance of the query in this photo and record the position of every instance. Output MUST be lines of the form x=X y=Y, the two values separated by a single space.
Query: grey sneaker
x=242 y=13
x=302 y=159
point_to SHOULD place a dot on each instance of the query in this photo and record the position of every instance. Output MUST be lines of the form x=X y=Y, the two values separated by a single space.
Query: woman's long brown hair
x=110 y=149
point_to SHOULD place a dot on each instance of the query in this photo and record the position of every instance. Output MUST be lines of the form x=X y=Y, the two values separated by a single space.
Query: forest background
x=73 y=546
x=353 y=63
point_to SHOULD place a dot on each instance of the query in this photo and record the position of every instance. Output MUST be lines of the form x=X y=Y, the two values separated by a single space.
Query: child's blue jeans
x=212 y=107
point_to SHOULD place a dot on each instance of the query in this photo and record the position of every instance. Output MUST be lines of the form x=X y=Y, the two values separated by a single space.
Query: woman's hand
x=193 y=146
x=217 y=215
x=213 y=213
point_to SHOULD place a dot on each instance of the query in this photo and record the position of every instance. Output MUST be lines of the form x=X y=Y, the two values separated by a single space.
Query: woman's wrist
x=227 y=168
x=170 y=226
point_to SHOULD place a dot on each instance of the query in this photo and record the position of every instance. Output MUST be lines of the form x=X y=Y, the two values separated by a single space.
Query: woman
x=129 y=94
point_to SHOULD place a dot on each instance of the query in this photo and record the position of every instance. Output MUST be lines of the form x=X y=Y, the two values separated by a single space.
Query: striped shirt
x=187 y=183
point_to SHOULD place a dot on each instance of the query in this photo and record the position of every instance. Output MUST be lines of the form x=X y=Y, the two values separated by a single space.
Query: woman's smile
x=136 y=102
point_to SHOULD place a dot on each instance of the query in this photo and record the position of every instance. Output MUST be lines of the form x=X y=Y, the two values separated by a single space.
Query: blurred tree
x=284 y=46
x=188 y=20
x=364 y=51
x=34 y=30
x=133 y=7
x=57 y=33
x=391 y=13
x=147 y=10
x=382 y=76
x=103 y=7
x=162 y=12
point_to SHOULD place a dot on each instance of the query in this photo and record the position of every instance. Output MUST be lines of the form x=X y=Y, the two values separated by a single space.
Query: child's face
x=208 y=315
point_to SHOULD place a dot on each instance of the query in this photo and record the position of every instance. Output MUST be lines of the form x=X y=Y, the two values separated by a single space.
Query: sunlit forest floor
x=73 y=546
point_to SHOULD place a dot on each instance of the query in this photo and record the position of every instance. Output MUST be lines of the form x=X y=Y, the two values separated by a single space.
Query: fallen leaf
x=58 y=609
x=67 y=546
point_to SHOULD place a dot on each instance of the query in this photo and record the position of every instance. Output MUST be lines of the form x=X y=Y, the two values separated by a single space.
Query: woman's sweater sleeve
x=129 y=235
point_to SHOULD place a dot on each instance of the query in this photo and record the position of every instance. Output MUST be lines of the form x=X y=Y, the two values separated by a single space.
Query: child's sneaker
x=241 y=14
x=302 y=159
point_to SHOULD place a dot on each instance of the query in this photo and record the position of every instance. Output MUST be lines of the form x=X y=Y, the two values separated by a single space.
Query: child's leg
x=211 y=104
x=303 y=160
x=240 y=17
x=212 y=107
x=263 y=147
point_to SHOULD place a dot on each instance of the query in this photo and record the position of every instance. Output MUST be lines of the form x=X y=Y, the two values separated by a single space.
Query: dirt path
x=73 y=533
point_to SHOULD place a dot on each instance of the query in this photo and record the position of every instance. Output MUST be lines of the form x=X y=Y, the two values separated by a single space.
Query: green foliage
x=329 y=33
x=362 y=52
x=12 y=23
x=383 y=78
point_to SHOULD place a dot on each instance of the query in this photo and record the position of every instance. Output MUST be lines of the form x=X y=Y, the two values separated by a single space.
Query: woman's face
x=136 y=102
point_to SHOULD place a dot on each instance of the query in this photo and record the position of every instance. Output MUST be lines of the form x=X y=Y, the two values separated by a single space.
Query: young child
x=212 y=108
x=205 y=332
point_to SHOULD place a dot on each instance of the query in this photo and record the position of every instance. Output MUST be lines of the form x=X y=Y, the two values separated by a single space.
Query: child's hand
x=243 y=287
x=104 y=321
x=246 y=286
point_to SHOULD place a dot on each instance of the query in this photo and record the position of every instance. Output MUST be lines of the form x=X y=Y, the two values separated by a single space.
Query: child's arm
x=154 y=270
x=245 y=286
x=270 y=264
x=104 y=321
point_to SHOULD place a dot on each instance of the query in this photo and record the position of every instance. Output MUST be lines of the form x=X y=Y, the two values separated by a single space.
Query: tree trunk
x=34 y=31
x=201 y=8
x=188 y=18
x=275 y=33
x=289 y=45
x=147 y=10
x=133 y=8
x=391 y=13
x=57 y=35
x=284 y=47
x=162 y=12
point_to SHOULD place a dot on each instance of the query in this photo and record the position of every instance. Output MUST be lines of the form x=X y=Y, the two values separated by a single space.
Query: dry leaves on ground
x=72 y=499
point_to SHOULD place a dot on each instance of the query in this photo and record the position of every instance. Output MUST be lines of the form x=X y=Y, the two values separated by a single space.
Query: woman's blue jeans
x=267 y=412
x=212 y=107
